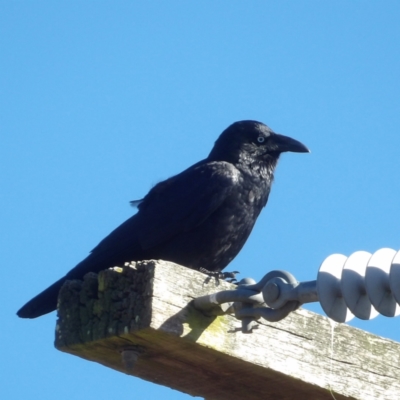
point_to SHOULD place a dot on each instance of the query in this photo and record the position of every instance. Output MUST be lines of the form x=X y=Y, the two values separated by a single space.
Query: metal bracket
x=275 y=296
x=361 y=285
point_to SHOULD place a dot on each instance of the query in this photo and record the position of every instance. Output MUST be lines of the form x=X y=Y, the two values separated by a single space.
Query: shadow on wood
x=139 y=320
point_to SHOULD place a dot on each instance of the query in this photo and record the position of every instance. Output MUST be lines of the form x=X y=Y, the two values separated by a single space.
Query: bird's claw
x=217 y=275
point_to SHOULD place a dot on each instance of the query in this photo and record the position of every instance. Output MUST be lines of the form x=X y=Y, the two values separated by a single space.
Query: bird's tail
x=43 y=303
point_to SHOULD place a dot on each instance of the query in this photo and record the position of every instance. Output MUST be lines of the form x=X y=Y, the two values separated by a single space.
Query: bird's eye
x=261 y=139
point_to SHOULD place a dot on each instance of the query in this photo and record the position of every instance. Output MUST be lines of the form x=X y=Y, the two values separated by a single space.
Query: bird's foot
x=217 y=275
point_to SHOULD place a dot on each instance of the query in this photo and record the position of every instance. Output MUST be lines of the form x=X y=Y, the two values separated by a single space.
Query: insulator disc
x=377 y=283
x=394 y=277
x=353 y=286
x=329 y=290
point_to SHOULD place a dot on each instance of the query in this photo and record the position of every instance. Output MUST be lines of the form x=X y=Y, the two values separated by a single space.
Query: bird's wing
x=184 y=201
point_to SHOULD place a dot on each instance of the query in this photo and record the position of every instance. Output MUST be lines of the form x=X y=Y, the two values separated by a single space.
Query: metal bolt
x=271 y=292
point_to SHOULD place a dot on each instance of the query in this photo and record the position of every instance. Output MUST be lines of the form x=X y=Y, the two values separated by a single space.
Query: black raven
x=200 y=218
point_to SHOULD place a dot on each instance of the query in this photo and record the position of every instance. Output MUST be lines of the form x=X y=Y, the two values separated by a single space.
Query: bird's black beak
x=283 y=143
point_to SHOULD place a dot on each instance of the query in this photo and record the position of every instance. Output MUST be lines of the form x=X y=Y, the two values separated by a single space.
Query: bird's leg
x=228 y=276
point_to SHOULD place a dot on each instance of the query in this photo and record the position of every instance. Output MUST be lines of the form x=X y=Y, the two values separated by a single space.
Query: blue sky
x=101 y=100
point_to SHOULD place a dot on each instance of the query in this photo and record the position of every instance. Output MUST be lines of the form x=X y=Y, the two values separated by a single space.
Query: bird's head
x=249 y=142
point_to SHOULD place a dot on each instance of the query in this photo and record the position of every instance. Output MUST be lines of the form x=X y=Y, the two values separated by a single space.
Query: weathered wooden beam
x=139 y=320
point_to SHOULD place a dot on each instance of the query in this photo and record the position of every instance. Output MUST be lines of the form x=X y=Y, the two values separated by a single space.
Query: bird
x=199 y=218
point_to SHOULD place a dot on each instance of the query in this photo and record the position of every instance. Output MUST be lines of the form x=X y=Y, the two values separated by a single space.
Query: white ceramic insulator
x=377 y=282
x=353 y=286
x=394 y=277
x=362 y=285
x=329 y=290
